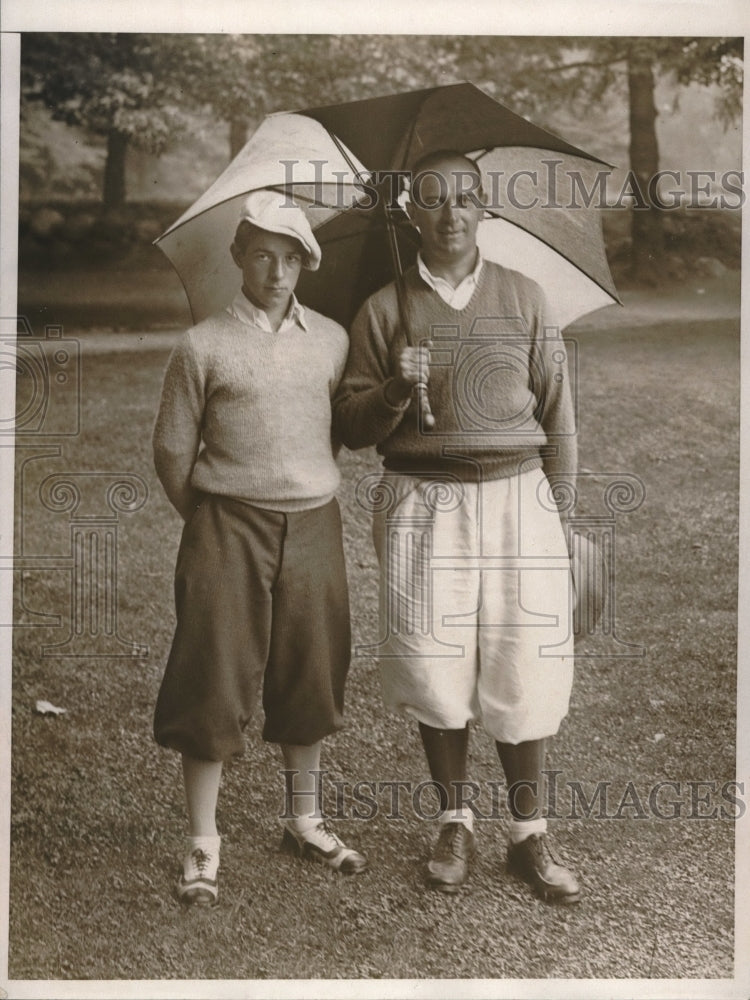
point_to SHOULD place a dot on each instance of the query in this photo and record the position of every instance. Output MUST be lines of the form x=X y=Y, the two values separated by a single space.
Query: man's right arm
x=371 y=400
x=177 y=431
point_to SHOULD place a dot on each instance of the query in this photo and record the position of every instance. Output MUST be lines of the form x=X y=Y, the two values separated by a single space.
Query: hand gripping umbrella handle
x=426 y=418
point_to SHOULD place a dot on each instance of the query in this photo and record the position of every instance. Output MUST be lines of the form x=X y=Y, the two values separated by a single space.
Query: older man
x=242 y=446
x=468 y=622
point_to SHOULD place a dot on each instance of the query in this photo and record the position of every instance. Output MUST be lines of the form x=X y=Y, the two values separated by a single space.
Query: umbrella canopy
x=558 y=243
x=393 y=132
x=198 y=243
x=322 y=156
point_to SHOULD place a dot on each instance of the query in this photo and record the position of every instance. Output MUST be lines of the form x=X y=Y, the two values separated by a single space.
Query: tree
x=115 y=85
x=548 y=73
x=241 y=78
x=139 y=90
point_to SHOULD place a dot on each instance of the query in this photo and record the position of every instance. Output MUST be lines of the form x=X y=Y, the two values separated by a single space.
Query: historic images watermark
x=527 y=189
x=560 y=798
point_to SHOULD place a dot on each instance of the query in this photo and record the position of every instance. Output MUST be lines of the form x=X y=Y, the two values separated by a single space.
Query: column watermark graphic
x=47 y=374
x=473 y=438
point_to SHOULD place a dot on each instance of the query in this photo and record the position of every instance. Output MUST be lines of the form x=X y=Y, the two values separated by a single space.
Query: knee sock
x=202 y=779
x=302 y=785
x=523 y=764
x=446 y=751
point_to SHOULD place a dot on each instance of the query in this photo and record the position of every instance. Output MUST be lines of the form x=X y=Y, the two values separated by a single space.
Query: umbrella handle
x=426 y=418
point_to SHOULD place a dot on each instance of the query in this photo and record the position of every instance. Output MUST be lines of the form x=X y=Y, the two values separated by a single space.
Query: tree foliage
x=545 y=74
x=105 y=82
x=119 y=86
x=240 y=78
x=141 y=89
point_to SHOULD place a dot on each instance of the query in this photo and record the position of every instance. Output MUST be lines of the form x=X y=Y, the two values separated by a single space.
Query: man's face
x=270 y=265
x=444 y=207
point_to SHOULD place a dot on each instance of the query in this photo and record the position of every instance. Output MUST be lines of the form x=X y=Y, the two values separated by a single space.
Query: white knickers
x=475 y=604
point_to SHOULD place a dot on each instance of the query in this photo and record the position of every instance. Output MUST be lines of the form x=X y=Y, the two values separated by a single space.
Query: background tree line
x=143 y=90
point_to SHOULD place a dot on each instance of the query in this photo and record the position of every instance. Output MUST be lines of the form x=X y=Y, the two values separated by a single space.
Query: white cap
x=275 y=212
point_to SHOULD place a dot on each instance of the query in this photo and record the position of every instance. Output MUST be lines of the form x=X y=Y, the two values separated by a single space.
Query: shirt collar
x=440 y=285
x=247 y=312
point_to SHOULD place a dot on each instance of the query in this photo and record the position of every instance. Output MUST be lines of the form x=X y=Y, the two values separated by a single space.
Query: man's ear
x=236 y=255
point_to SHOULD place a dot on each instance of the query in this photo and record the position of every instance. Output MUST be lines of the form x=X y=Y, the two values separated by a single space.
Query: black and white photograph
x=374 y=465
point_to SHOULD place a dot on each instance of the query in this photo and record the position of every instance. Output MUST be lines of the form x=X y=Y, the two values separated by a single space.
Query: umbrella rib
x=344 y=152
x=554 y=249
x=311 y=200
x=282 y=188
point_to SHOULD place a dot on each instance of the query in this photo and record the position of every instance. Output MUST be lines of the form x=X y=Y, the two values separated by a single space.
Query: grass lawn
x=98 y=815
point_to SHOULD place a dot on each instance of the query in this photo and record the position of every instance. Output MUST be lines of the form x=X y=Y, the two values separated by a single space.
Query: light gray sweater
x=246 y=413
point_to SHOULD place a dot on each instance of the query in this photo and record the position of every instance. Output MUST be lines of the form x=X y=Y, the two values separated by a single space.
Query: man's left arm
x=556 y=414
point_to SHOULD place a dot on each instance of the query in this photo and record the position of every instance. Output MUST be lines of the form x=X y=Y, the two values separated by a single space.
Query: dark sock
x=446 y=751
x=523 y=764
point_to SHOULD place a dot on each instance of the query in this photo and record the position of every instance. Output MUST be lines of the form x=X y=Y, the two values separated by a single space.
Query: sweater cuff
x=394 y=407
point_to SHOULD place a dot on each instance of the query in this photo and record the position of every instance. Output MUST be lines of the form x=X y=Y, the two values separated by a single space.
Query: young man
x=243 y=448
x=468 y=620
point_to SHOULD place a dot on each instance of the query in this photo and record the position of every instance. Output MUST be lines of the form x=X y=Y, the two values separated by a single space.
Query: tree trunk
x=646 y=223
x=114 y=170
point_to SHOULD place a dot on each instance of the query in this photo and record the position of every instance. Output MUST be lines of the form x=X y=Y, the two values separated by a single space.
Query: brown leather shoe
x=448 y=867
x=533 y=860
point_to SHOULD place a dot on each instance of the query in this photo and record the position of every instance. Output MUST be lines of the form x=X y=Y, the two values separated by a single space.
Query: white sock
x=306 y=821
x=211 y=845
x=520 y=829
x=465 y=816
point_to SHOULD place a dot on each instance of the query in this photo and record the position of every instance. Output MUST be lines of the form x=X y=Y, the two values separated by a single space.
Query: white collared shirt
x=245 y=311
x=456 y=297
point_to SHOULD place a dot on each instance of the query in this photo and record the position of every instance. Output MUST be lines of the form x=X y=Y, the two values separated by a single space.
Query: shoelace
x=201 y=860
x=328 y=840
x=454 y=843
x=542 y=846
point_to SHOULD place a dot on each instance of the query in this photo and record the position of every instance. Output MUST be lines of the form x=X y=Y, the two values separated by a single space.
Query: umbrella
x=325 y=157
x=325 y=180
x=557 y=242
x=559 y=245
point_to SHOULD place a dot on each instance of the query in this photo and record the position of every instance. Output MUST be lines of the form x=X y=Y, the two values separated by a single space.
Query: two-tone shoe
x=320 y=843
x=198 y=884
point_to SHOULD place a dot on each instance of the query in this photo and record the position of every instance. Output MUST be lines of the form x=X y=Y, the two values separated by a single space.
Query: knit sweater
x=499 y=385
x=246 y=413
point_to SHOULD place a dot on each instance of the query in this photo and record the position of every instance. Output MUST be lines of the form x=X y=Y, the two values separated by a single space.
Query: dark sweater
x=499 y=385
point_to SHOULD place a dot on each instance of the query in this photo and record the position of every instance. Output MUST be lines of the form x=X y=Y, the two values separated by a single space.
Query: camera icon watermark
x=496 y=355
x=46 y=372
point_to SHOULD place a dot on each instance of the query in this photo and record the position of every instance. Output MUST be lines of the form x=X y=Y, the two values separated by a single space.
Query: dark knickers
x=262 y=605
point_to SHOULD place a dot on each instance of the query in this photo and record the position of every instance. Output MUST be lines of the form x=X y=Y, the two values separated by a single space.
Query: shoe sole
x=200 y=895
x=547 y=895
x=307 y=852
